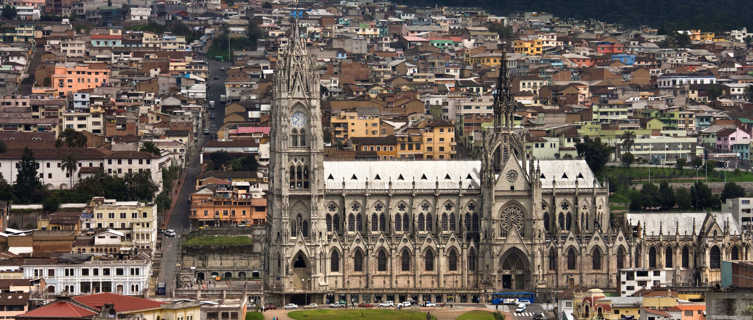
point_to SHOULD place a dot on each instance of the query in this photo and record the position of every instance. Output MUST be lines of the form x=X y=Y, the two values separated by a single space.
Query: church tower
x=294 y=231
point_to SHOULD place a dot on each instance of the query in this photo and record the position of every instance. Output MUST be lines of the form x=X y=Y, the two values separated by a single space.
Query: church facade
x=453 y=230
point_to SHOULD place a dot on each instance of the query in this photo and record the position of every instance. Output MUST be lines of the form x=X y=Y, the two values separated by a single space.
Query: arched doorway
x=515 y=271
x=301 y=277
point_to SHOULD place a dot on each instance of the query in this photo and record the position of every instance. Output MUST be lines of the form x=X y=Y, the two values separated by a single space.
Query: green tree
x=627 y=159
x=71 y=138
x=594 y=152
x=505 y=32
x=28 y=188
x=682 y=196
x=636 y=201
x=680 y=164
x=69 y=165
x=150 y=147
x=701 y=196
x=247 y=163
x=650 y=196
x=219 y=159
x=666 y=196
x=9 y=12
x=628 y=140
x=732 y=190
x=6 y=191
x=139 y=186
x=697 y=162
x=51 y=203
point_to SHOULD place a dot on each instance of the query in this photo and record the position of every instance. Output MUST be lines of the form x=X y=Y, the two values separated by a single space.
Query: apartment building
x=439 y=140
x=83 y=121
x=350 y=124
x=136 y=220
x=228 y=204
x=634 y=280
x=76 y=275
x=71 y=77
x=742 y=210
x=529 y=47
x=72 y=48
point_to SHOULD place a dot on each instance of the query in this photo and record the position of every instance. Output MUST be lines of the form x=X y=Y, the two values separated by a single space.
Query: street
x=178 y=217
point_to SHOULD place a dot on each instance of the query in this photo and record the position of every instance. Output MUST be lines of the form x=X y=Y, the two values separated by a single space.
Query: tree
x=69 y=165
x=51 y=204
x=505 y=32
x=682 y=197
x=636 y=201
x=247 y=163
x=650 y=196
x=732 y=190
x=150 y=147
x=71 y=138
x=680 y=164
x=701 y=197
x=219 y=159
x=28 y=187
x=675 y=39
x=628 y=140
x=666 y=196
x=9 y=12
x=627 y=159
x=697 y=162
x=594 y=152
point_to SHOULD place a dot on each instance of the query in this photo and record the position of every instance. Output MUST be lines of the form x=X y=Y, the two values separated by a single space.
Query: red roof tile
x=120 y=303
x=58 y=310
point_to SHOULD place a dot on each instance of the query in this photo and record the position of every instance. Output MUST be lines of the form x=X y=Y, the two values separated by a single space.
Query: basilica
x=454 y=230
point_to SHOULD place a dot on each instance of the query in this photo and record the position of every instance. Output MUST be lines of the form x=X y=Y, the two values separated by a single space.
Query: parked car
x=430 y=304
x=311 y=306
x=521 y=308
x=270 y=306
x=337 y=305
x=290 y=306
x=170 y=233
x=404 y=304
x=387 y=304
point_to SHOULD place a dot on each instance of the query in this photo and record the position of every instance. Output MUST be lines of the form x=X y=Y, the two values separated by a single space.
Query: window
x=382 y=261
x=398 y=223
x=620 y=258
x=429 y=260
x=405 y=260
x=358 y=261
x=596 y=258
x=472 y=260
x=50 y=272
x=715 y=257
x=571 y=258
x=452 y=260
x=552 y=259
x=652 y=257
x=334 y=261
x=668 y=257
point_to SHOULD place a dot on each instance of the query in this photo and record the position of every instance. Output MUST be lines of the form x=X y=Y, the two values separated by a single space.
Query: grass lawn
x=674 y=175
x=357 y=314
x=477 y=315
x=254 y=316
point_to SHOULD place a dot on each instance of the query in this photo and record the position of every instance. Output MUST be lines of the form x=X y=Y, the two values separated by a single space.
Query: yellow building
x=533 y=47
x=697 y=35
x=137 y=220
x=486 y=59
x=349 y=124
x=439 y=140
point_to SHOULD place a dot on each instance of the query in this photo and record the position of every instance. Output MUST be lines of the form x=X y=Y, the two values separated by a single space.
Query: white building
x=633 y=280
x=140 y=14
x=137 y=221
x=83 y=121
x=73 y=48
x=81 y=101
x=680 y=80
x=28 y=13
x=76 y=275
x=742 y=210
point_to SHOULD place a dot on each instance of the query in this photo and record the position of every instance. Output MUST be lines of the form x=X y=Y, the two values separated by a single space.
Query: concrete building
x=742 y=210
x=634 y=280
x=136 y=220
x=77 y=275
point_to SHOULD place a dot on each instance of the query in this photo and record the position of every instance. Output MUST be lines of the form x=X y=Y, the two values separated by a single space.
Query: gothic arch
x=405 y=259
x=552 y=259
x=652 y=258
x=334 y=265
x=452 y=259
x=514 y=269
x=358 y=257
x=572 y=258
x=512 y=217
x=301 y=266
x=472 y=257
x=668 y=257
x=398 y=222
x=382 y=260
x=429 y=259
x=715 y=257
x=637 y=256
x=685 y=257
x=596 y=255
x=620 y=257
x=734 y=253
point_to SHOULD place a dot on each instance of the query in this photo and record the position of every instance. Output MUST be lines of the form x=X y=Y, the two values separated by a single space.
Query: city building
x=634 y=280
x=82 y=274
x=136 y=221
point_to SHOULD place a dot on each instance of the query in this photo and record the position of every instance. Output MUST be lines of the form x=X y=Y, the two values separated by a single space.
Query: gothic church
x=450 y=230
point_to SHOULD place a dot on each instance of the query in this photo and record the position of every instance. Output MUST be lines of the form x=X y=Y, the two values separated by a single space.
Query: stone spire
x=296 y=75
x=504 y=103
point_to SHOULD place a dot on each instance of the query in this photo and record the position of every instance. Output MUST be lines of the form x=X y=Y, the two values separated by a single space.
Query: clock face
x=297 y=120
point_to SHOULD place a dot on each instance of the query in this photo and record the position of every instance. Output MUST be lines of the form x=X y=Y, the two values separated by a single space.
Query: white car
x=404 y=304
x=311 y=306
x=291 y=306
x=430 y=304
x=521 y=308
x=386 y=304
x=170 y=232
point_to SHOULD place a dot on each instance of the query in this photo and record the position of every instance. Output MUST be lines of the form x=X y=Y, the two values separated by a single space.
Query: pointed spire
x=504 y=104
x=295 y=75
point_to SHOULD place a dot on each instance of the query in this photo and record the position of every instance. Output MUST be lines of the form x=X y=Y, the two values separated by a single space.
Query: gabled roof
x=58 y=310
x=121 y=303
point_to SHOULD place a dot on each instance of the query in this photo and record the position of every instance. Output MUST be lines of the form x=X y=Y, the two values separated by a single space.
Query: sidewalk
x=174 y=195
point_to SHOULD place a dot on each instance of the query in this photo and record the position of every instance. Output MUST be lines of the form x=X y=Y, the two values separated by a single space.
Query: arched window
x=299 y=177
x=374 y=222
x=358 y=261
x=328 y=218
x=715 y=257
x=420 y=222
x=429 y=221
x=359 y=222
x=398 y=222
x=452 y=260
x=279 y=262
x=336 y=222
x=406 y=222
x=571 y=259
x=562 y=221
x=668 y=257
x=302 y=135
x=569 y=221
x=552 y=259
x=429 y=260
x=596 y=258
x=546 y=221
x=652 y=257
x=472 y=260
x=382 y=261
x=468 y=222
x=305 y=228
x=405 y=260
x=620 y=257
x=334 y=262
x=382 y=222
x=294 y=137
x=475 y=222
x=292 y=176
x=351 y=222
x=444 y=221
x=685 y=257
x=305 y=177
x=637 y=263
x=452 y=222
x=735 y=254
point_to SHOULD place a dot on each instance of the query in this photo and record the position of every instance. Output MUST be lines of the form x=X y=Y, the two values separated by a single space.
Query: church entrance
x=301 y=272
x=515 y=271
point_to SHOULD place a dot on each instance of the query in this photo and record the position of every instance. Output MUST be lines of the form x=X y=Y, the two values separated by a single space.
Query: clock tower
x=295 y=225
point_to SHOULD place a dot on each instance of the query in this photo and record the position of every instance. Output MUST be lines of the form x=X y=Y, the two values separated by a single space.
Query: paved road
x=179 y=213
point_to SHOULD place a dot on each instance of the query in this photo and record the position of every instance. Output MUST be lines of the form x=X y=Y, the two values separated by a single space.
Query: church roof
x=566 y=173
x=680 y=222
x=426 y=174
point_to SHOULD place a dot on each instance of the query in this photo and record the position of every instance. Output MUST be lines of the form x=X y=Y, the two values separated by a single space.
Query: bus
x=513 y=297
